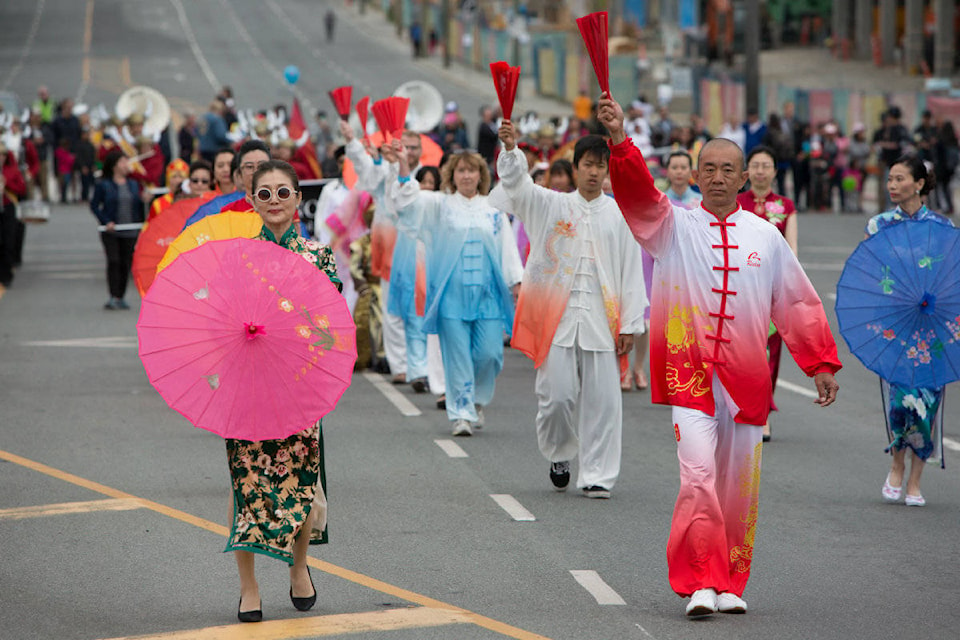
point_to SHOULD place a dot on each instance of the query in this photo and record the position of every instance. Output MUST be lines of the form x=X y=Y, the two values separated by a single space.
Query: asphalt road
x=419 y=549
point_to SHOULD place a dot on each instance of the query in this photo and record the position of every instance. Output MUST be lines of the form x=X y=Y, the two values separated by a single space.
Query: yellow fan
x=221 y=226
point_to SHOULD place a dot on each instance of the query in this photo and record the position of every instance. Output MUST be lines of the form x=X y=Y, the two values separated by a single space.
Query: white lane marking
x=822 y=266
x=647 y=633
x=195 y=46
x=831 y=296
x=513 y=507
x=595 y=586
x=34 y=27
x=950 y=443
x=451 y=448
x=113 y=342
x=64 y=275
x=803 y=391
x=396 y=398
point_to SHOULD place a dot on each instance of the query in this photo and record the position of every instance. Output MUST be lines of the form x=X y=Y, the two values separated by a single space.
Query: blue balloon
x=291 y=73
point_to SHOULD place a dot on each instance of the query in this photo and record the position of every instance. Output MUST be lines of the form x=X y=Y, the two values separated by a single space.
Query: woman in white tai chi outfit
x=581 y=301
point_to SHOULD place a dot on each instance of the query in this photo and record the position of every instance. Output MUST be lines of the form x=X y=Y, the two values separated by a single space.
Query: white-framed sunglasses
x=283 y=193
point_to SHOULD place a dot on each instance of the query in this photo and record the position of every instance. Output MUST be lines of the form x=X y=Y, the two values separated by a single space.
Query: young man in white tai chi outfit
x=581 y=300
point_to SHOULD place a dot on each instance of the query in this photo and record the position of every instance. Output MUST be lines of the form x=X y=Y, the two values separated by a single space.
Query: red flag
x=505 y=79
x=391 y=115
x=593 y=29
x=362 y=106
x=296 y=128
x=341 y=97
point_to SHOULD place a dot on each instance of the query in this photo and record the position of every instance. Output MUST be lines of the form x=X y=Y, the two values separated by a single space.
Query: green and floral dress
x=275 y=482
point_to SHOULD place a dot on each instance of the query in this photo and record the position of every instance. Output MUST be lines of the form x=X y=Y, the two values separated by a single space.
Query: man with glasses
x=721 y=275
x=252 y=154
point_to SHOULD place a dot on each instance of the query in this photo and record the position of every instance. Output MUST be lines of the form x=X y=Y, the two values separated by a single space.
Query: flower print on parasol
x=247 y=339
x=898 y=303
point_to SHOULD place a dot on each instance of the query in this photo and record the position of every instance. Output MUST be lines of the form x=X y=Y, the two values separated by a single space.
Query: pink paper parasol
x=505 y=79
x=247 y=339
x=593 y=29
x=341 y=97
x=391 y=114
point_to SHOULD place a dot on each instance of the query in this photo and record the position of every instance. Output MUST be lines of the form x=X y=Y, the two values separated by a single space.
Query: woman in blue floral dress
x=279 y=499
x=914 y=416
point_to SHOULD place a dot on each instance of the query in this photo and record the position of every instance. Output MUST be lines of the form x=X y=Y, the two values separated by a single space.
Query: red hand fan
x=505 y=79
x=341 y=97
x=391 y=115
x=362 y=106
x=593 y=29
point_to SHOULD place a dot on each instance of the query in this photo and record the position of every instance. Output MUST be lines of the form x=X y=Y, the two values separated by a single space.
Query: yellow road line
x=332 y=569
x=339 y=624
x=62 y=508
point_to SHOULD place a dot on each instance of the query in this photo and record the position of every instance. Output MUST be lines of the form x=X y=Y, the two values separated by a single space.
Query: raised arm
x=647 y=211
x=528 y=201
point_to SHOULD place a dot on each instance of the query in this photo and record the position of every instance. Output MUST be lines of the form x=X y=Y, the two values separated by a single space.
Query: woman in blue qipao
x=914 y=416
x=279 y=486
x=472 y=266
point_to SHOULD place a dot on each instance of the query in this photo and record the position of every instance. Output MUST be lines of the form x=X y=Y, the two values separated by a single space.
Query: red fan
x=341 y=97
x=505 y=79
x=391 y=115
x=593 y=29
x=362 y=105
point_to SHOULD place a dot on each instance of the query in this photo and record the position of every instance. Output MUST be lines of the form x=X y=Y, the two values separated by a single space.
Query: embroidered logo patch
x=753 y=260
x=676 y=431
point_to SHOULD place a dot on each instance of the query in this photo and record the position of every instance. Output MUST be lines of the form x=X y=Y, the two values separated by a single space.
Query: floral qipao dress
x=914 y=415
x=275 y=482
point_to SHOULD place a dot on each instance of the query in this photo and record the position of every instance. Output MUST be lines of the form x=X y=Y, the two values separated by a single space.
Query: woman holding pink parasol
x=261 y=472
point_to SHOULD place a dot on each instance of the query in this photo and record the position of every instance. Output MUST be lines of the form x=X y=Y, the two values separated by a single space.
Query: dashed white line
x=111 y=342
x=396 y=398
x=451 y=448
x=595 y=586
x=513 y=507
x=951 y=444
x=803 y=391
x=195 y=46
x=34 y=27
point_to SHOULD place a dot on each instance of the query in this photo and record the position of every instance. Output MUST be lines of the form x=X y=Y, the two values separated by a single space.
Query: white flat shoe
x=914 y=501
x=730 y=603
x=703 y=602
x=891 y=493
x=462 y=428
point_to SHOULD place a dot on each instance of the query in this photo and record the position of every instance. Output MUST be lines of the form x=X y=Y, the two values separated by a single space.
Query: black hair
x=339 y=151
x=680 y=154
x=563 y=167
x=200 y=164
x=223 y=151
x=110 y=163
x=918 y=169
x=253 y=145
x=537 y=173
x=592 y=144
x=434 y=171
x=757 y=150
x=276 y=165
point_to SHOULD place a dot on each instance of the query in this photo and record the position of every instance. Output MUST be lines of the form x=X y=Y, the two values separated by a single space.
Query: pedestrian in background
x=914 y=416
x=65 y=159
x=117 y=201
x=947 y=154
x=85 y=164
x=12 y=189
x=779 y=211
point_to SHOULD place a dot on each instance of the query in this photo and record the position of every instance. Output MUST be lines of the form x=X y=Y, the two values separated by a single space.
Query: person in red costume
x=13 y=188
x=720 y=275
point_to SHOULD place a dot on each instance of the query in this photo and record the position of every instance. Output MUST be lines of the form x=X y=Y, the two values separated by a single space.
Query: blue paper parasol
x=898 y=303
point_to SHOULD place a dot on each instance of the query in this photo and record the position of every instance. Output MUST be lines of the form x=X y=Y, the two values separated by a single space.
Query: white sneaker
x=480 y=419
x=703 y=602
x=462 y=428
x=730 y=603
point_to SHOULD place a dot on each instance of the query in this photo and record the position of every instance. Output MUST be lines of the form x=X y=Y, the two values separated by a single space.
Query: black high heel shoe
x=249 y=616
x=304 y=604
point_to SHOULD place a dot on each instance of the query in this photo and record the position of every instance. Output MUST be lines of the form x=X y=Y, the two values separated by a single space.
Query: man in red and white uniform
x=721 y=275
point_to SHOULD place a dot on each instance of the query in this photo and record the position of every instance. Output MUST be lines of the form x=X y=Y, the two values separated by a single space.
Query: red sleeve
x=32 y=158
x=14 y=181
x=645 y=208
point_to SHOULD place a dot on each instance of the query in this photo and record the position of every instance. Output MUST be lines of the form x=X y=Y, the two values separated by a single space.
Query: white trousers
x=435 y=377
x=394 y=338
x=580 y=412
